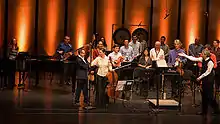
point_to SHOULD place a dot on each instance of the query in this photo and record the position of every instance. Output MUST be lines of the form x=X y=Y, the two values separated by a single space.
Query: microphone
x=166 y=16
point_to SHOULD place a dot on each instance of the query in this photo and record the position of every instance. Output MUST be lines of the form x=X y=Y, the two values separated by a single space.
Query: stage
x=52 y=104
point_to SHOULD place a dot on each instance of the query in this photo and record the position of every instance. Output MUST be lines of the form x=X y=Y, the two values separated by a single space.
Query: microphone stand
x=89 y=107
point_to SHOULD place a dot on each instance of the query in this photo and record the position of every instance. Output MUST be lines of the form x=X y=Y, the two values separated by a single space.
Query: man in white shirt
x=127 y=52
x=135 y=44
x=157 y=53
x=207 y=77
x=115 y=55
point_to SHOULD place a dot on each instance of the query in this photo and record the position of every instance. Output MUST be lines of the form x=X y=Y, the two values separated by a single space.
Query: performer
x=104 y=42
x=104 y=66
x=212 y=56
x=116 y=56
x=65 y=51
x=164 y=47
x=216 y=51
x=127 y=52
x=13 y=52
x=207 y=78
x=195 y=49
x=144 y=63
x=175 y=60
x=143 y=43
x=157 y=53
x=135 y=44
x=95 y=52
x=81 y=77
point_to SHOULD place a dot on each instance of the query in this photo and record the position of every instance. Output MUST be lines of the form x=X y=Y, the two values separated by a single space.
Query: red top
x=213 y=58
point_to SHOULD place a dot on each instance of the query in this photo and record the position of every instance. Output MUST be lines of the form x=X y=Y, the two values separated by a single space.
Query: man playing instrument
x=65 y=51
x=207 y=78
x=116 y=56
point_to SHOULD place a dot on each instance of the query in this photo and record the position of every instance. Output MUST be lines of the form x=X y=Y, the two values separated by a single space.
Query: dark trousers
x=11 y=73
x=217 y=77
x=82 y=85
x=101 y=96
x=208 y=97
x=67 y=72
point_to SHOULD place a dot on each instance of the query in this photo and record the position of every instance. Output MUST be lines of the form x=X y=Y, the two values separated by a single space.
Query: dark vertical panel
x=80 y=21
x=66 y=17
x=51 y=25
x=151 y=22
x=123 y=12
x=109 y=12
x=36 y=28
x=2 y=23
x=21 y=16
x=214 y=19
x=137 y=12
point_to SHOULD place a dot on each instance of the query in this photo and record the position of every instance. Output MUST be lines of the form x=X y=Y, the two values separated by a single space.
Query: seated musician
x=115 y=56
x=175 y=60
x=127 y=52
x=104 y=66
x=65 y=51
x=143 y=64
x=13 y=52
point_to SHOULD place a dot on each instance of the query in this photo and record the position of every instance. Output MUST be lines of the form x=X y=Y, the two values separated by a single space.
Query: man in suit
x=81 y=77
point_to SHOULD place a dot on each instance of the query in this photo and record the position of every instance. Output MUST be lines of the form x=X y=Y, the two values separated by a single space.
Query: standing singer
x=104 y=66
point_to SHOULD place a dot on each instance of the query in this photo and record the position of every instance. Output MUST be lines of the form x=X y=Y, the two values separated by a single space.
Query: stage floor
x=51 y=104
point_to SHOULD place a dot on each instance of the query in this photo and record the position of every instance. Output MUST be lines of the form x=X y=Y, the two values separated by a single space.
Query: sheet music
x=161 y=63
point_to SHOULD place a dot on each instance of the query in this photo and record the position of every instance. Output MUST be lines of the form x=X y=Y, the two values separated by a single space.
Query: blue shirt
x=64 y=47
x=173 y=55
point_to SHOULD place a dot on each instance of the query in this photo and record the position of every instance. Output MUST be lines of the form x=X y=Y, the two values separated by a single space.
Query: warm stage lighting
x=109 y=19
x=164 y=22
x=52 y=10
x=23 y=24
x=192 y=21
x=81 y=30
x=218 y=29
